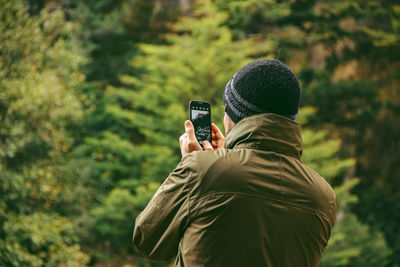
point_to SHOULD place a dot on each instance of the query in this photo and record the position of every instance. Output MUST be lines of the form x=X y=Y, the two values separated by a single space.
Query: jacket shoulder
x=321 y=191
x=218 y=172
x=202 y=162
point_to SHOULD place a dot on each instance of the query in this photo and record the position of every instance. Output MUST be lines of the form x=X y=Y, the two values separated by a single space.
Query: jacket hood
x=270 y=132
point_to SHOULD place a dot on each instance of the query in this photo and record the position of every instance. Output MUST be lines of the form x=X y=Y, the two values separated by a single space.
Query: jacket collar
x=270 y=132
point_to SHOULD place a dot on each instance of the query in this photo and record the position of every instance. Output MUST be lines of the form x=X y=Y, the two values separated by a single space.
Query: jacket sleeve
x=159 y=227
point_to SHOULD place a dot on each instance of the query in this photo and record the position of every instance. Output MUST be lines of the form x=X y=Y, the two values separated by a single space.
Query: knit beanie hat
x=262 y=86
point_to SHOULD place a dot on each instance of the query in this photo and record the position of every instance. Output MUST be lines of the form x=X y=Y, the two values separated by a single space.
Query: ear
x=228 y=124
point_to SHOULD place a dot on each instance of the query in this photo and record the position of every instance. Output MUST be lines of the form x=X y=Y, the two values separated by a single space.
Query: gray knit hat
x=262 y=86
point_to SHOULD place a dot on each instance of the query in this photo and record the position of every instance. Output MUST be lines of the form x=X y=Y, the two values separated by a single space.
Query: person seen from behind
x=247 y=199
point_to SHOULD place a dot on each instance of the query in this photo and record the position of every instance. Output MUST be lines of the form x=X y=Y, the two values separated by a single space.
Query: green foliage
x=104 y=37
x=252 y=15
x=355 y=244
x=109 y=30
x=36 y=97
x=37 y=104
x=114 y=218
x=40 y=239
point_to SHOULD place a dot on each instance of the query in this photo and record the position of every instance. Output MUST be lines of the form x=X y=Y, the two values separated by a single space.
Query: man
x=246 y=200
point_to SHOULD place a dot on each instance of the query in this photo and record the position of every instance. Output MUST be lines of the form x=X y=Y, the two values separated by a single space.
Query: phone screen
x=201 y=119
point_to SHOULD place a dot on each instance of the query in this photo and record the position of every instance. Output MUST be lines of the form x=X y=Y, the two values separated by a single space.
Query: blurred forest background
x=94 y=93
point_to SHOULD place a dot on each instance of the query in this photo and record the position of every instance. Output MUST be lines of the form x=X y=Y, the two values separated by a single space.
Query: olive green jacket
x=251 y=204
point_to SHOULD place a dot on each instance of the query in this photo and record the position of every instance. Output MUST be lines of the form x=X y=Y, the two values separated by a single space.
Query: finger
x=217 y=131
x=190 y=132
x=192 y=143
x=207 y=145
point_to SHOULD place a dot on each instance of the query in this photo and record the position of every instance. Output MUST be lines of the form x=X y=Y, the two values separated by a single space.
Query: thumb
x=188 y=125
x=190 y=131
x=207 y=145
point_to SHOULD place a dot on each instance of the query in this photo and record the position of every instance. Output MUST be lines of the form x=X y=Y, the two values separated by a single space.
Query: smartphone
x=200 y=116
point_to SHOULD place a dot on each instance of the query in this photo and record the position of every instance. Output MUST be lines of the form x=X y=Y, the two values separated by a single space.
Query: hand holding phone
x=200 y=133
x=188 y=141
x=200 y=116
